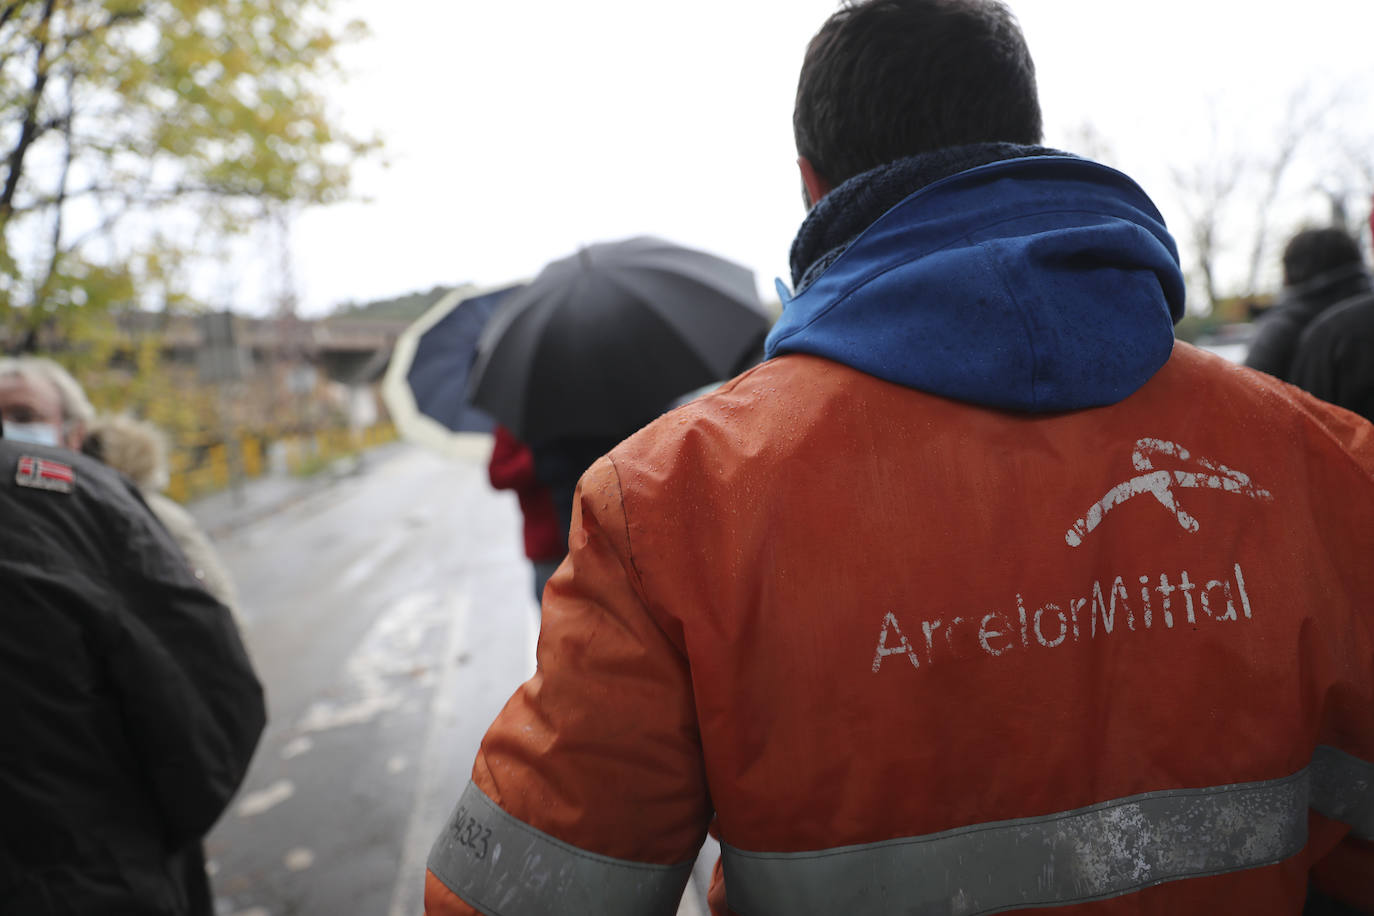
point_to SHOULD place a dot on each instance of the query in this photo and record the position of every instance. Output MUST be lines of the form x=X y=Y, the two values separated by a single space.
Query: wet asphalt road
x=390 y=616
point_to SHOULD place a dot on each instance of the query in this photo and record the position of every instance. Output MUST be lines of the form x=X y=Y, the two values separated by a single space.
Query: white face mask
x=33 y=433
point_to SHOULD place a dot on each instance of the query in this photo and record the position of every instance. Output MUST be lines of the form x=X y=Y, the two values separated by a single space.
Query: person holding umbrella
x=981 y=594
x=604 y=341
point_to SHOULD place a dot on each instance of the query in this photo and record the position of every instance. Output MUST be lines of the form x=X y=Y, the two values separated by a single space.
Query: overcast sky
x=517 y=131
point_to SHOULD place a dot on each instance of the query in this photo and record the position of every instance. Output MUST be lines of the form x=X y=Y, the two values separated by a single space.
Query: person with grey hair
x=42 y=404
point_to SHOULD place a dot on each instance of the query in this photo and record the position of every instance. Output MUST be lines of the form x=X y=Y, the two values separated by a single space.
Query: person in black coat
x=1321 y=267
x=1335 y=358
x=129 y=704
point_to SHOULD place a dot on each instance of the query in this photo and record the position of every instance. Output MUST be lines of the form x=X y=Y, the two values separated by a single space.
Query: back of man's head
x=1315 y=252
x=887 y=79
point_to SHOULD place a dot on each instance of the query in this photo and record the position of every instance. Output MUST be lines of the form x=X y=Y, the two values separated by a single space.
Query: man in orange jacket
x=980 y=594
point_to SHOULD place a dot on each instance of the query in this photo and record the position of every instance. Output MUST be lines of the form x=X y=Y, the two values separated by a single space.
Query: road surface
x=390 y=616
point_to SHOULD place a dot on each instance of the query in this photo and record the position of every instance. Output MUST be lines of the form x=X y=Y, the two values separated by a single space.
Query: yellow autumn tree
x=135 y=134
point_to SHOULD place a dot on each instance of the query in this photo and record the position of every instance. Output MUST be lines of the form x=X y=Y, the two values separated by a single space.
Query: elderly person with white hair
x=41 y=403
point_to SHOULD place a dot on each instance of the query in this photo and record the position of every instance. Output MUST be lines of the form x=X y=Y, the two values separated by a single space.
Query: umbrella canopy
x=601 y=342
x=426 y=380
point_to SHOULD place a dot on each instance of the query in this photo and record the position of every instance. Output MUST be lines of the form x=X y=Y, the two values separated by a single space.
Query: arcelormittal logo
x=1163 y=484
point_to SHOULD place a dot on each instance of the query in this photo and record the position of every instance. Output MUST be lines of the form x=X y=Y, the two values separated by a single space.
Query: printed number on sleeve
x=469 y=832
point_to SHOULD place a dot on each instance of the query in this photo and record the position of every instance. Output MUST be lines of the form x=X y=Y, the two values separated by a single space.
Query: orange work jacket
x=911 y=655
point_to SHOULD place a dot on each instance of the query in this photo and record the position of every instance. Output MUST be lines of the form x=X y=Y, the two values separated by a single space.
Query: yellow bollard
x=294 y=454
x=218 y=462
x=177 y=488
x=250 y=448
x=201 y=481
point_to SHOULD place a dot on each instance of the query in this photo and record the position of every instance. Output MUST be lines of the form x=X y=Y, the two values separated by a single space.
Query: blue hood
x=1037 y=284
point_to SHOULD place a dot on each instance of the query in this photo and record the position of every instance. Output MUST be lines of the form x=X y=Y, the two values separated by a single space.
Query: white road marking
x=322 y=716
x=407 y=894
x=255 y=803
x=296 y=747
x=394 y=648
x=370 y=562
x=299 y=859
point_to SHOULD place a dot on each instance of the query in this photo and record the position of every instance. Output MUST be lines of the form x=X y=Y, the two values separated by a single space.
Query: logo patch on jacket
x=1198 y=473
x=42 y=474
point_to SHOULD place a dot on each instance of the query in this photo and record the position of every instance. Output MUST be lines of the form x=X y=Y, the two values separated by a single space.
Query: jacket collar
x=839 y=217
x=1038 y=283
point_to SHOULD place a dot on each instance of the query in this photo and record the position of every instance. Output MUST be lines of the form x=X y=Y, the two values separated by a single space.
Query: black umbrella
x=602 y=341
x=426 y=382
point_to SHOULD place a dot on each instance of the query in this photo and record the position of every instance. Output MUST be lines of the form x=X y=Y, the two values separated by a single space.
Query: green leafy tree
x=134 y=134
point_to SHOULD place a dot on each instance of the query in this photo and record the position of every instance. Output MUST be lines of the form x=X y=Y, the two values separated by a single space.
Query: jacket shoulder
x=760 y=416
x=1271 y=412
x=64 y=496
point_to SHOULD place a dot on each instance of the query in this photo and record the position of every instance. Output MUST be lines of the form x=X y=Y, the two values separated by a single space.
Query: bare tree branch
x=115 y=18
x=28 y=133
x=1296 y=129
x=10 y=9
x=59 y=209
x=1205 y=193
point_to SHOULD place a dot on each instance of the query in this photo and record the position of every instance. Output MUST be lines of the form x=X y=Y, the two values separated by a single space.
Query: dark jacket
x=559 y=464
x=1335 y=358
x=130 y=708
x=1278 y=330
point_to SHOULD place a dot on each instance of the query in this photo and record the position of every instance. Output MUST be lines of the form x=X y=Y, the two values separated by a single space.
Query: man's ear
x=814 y=184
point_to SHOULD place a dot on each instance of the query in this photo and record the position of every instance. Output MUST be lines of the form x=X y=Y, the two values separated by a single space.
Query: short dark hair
x=1313 y=252
x=887 y=79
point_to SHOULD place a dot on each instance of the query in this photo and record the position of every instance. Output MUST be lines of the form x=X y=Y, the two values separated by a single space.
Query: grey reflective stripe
x=505 y=867
x=1343 y=790
x=1104 y=850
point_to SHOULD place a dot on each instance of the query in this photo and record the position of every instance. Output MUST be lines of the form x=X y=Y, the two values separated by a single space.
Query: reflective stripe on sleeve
x=505 y=867
x=1343 y=790
x=1104 y=850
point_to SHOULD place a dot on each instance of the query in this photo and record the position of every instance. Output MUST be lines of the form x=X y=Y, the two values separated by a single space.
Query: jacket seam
x=1360 y=468
x=638 y=584
x=625 y=520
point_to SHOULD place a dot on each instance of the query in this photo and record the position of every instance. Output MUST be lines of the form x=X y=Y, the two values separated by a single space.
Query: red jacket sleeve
x=595 y=762
x=511 y=466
